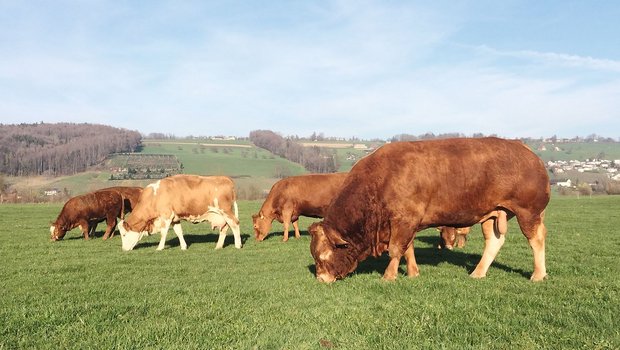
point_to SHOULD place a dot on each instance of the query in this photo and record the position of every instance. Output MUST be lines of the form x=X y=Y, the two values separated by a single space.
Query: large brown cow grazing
x=295 y=196
x=183 y=197
x=405 y=187
x=86 y=211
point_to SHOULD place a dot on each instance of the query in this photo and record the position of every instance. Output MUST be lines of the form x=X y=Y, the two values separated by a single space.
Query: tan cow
x=295 y=196
x=183 y=197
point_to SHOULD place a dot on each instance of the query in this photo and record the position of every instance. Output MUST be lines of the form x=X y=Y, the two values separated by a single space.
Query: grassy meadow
x=89 y=294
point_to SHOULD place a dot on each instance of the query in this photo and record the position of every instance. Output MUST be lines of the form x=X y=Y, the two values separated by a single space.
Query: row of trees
x=60 y=149
x=314 y=159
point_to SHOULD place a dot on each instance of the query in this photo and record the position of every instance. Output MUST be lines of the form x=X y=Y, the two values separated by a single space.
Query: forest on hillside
x=314 y=159
x=60 y=149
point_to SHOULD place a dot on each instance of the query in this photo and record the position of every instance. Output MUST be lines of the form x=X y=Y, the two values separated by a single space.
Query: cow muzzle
x=325 y=278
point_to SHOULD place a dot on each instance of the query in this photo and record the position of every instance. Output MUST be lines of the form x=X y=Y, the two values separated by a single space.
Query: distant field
x=89 y=294
x=252 y=168
x=579 y=151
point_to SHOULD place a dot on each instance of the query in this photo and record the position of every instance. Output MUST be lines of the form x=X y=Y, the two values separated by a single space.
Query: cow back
x=451 y=182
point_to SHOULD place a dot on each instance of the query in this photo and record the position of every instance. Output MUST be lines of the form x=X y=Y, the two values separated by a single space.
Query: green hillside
x=253 y=169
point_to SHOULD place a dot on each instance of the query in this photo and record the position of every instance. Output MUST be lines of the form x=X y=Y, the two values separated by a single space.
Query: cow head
x=334 y=257
x=262 y=226
x=57 y=231
x=129 y=238
x=449 y=237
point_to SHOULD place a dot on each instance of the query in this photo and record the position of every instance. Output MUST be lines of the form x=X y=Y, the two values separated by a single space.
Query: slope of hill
x=253 y=169
x=60 y=149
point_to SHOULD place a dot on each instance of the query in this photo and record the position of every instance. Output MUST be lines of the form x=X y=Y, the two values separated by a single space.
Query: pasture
x=89 y=294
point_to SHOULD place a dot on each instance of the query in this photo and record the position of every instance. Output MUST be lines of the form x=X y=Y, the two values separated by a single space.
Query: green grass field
x=89 y=294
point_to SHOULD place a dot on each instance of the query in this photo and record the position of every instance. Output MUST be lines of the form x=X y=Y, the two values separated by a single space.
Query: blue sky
x=345 y=68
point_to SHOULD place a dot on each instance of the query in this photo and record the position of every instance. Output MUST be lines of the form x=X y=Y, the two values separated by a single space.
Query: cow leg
x=286 y=220
x=537 y=243
x=296 y=226
x=493 y=241
x=111 y=225
x=85 y=227
x=412 y=266
x=534 y=229
x=92 y=227
x=400 y=241
x=222 y=238
x=164 y=233
x=179 y=232
x=233 y=222
x=236 y=233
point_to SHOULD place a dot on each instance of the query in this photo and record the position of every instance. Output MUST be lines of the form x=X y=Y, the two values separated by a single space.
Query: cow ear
x=316 y=229
x=338 y=241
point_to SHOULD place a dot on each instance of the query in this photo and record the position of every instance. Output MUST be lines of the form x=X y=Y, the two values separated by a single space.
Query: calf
x=290 y=198
x=450 y=237
x=86 y=211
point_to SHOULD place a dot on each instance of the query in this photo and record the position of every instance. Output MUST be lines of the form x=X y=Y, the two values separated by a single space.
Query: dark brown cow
x=405 y=187
x=295 y=196
x=86 y=211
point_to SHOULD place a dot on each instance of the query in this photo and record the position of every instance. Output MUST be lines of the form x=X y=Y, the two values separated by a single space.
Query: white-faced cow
x=405 y=187
x=183 y=197
x=295 y=196
x=86 y=211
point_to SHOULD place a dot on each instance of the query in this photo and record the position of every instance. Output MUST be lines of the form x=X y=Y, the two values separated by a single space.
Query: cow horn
x=336 y=239
x=315 y=228
x=261 y=215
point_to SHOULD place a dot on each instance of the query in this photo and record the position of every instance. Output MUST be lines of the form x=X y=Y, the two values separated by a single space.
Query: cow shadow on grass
x=195 y=238
x=428 y=256
x=280 y=235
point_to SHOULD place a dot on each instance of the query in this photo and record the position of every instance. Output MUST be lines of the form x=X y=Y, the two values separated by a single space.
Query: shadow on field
x=193 y=238
x=280 y=234
x=428 y=256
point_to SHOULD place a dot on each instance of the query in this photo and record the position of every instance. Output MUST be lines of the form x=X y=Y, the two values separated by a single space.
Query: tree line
x=314 y=159
x=60 y=149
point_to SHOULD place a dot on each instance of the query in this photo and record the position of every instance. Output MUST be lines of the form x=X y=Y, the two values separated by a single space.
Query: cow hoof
x=476 y=275
x=413 y=275
x=284 y=240
x=389 y=278
x=217 y=248
x=538 y=278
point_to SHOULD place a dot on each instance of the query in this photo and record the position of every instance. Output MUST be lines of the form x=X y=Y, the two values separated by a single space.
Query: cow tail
x=236 y=210
x=122 y=207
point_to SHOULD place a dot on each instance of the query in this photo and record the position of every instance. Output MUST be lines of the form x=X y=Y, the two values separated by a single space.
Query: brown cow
x=405 y=187
x=131 y=195
x=450 y=237
x=86 y=211
x=183 y=197
x=295 y=196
